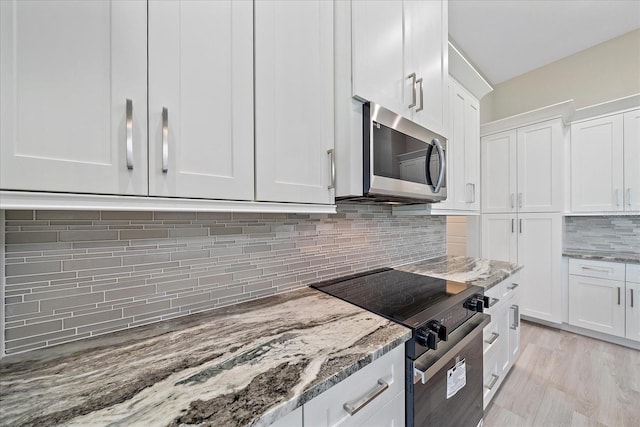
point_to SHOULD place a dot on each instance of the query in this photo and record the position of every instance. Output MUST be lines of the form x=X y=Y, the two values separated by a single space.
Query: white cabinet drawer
x=327 y=409
x=390 y=415
x=596 y=269
x=633 y=273
x=491 y=337
x=491 y=379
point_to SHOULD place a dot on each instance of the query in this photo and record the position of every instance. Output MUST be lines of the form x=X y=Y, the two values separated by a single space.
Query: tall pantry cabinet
x=522 y=194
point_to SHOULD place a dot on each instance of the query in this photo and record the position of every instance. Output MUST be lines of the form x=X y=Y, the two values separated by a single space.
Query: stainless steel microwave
x=402 y=161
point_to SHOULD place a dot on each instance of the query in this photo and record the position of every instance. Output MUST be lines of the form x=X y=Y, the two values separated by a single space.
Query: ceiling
x=506 y=38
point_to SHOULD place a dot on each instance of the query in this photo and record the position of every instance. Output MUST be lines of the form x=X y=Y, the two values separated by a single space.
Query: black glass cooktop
x=396 y=295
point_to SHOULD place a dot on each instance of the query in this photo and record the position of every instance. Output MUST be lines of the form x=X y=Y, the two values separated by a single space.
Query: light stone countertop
x=626 y=257
x=473 y=271
x=247 y=364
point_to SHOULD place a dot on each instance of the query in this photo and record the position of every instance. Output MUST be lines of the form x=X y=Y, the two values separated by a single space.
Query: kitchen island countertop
x=247 y=364
x=474 y=271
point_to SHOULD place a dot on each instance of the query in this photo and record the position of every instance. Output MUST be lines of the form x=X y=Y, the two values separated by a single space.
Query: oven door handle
x=427 y=365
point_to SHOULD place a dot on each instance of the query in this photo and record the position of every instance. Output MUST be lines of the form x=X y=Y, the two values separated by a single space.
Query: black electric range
x=431 y=307
x=447 y=322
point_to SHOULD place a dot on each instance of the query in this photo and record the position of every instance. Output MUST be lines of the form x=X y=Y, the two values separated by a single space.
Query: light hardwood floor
x=564 y=379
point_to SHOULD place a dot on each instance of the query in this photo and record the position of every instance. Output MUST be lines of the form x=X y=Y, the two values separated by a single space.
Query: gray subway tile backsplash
x=74 y=274
x=603 y=233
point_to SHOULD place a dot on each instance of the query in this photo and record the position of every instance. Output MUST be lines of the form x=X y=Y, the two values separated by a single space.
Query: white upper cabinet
x=522 y=169
x=201 y=74
x=605 y=164
x=400 y=58
x=597 y=176
x=632 y=160
x=499 y=237
x=294 y=101
x=67 y=70
x=499 y=172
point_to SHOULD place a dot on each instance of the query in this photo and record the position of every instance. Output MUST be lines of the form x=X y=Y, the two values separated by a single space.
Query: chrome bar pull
x=473 y=200
x=516 y=316
x=353 y=408
x=520 y=225
x=513 y=286
x=419 y=81
x=165 y=140
x=332 y=161
x=494 y=380
x=631 y=297
x=618 y=295
x=493 y=302
x=513 y=222
x=412 y=76
x=599 y=270
x=129 y=127
x=494 y=337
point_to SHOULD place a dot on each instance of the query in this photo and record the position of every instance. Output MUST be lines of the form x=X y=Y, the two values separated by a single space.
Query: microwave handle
x=443 y=164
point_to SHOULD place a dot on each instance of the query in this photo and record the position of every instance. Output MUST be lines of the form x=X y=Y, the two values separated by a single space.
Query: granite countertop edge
x=629 y=258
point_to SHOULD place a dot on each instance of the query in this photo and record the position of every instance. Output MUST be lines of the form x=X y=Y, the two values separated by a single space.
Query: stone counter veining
x=473 y=271
x=626 y=257
x=248 y=364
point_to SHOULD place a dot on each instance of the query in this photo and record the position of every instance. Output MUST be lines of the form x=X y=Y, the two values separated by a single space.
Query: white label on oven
x=456 y=378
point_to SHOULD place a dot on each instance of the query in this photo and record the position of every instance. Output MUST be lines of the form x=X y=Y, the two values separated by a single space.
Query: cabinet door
x=378 y=56
x=596 y=165
x=294 y=101
x=67 y=70
x=632 y=160
x=499 y=162
x=597 y=304
x=633 y=311
x=426 y=55
x=499 y=238
x=540 y=148
x=472 y=153
x=201 y=71
x=540 y=251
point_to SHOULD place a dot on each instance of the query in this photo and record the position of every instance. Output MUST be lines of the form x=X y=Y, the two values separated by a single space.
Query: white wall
x=602 y=73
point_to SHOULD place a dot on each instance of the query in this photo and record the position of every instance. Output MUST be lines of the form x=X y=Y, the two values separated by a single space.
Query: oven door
x=444 y=386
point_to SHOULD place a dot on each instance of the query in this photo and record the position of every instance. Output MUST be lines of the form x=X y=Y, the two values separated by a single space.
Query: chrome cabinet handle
x=129 y=127
x=631 y=297
x=600 y=270
x=512 y=287
x=516 y=316
x=353 y=407
x=629 y=196
x=412 y=76
x=520 y=225
x=473 y=200
x=513 y=222
x=513 y=198
x=618 y=295
x=419 y=81
x=519 y=200
x=494 y=337
x=165 y=139
x=493 y=301
x=494 y=380
x=332 y=162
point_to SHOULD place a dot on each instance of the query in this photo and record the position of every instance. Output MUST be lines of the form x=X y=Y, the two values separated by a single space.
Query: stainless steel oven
x=446 y=383
x=402 y=161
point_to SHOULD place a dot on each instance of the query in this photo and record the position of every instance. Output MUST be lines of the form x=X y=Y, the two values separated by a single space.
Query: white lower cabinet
x=385 y=375
x=600 y=299
x=501 y=336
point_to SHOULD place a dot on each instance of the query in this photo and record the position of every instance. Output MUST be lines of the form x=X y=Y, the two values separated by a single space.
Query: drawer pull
x=516 y=316
x=494 y=337
x=353 y=407
x=631 y=297
x=494 y=380
x=129 y=127
x=165 y=140
x=599 y=270
x=618 y=295
x=512 y=287
x=493 y=301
